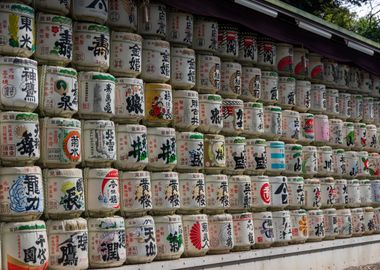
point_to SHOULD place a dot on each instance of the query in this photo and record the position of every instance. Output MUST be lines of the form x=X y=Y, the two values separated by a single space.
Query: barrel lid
x=52 y=18
x=357 y=210
x=97 y=28
x=357 y=96
x=158 y=86
x=287 y=79
x=191 y=176
x=323 y=116
x=67 y=225
x=167 y=219
x=94 y=124
x=261 y=215
x=198 y=217
x=368 y=209
x=94 y=75
x=370 y=126
x=360 y=125
x=338 y=151
x=269 y=74
x=315 y=212
x=343 y=212
x=63 y=71
x=139 y=221
x=348 y=124
x=235 y=140
x=189 y=136
x=115 y=35
x=12 y=60
x=368 y=98
x=133 y=81
x=325 y=148
x=344 y=94
x=131 y=128
x=239 y=216
x=239 y=178
x=18 y=116
x=282 y=213
x=181 y=51
x=20 y=170
x=277 y=178
x=221 y=217
x=185 y=94
x=250 y=69
x=265 y=39
x=327 y=180
x=20 y=8
x=154 y=43
x=307 y=115
x=62 y=122
x=211 y=97
x=262 y=142
x=133 y=175
x=259 y=178
x=227 y=26
x=329 y=211
x=314 y=55
x=72 y=172
x=293 y=147
x=362 y=153
x=336 y=121
x=350 y=153
x=214 y=137
x=253 y=105
x=313 y=181
x=295 y=179
x=232 y=102
x=298 y=212
x=302 y=82
x=299 y=49
x=341 y=181
x=161 y=131
x=332 y=90
x=216 y=177
x=291 y=113
x=163 y=175
x=352 y=181
x=107 y=223
x=94 y=173
x=309 y=148
x=29 y=226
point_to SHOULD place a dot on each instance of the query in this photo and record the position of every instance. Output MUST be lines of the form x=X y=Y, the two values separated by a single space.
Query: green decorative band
x=214 y=97
x=275 y=109
x=30 y=227
x=22 y=8
x=61 y=20
x=296 y=148
x=68 y=71
x=255 y=105
x=99 y=28
x=104 y=77
x=27 y=116
x=239 y=140
x=197 y=136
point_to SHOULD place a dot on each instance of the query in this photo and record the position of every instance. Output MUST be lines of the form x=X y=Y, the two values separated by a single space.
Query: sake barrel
x=296 y=192
x=190 y=151
x=307 y=130
x=344 y=105
x=64 y=237
x=58 y=91
x=298 y=220
x=368 y=109
x=263 y=228
x=332 y=102
x=135 y=193
x=96 y=95
x=330 y=223
x=365 y=192
x=214 y=153
x=155 y=61
x=106 y=242
x=99 y=147
x=279 y=192
x=310 y=160
x=354 y=78
x=180 y=27
x=169 y=233
x=233 y=112
x=301 y=62
x=293 y=158
x=290 y=126
x=61 y=138
x=244 y=237
x=321 y=129
x=101 y=191
x=208 y=73
x=122 y=15
x=351 y=161
x=132 y=147
x=125 y=57
x=282 y=228
x=217 y=193
x=344 y=223
x=303 y=96
x=318 y=98
x=152 y=20
x=236 y=161
x=129 y=100
x=324 y=155
x=365 y=84
x=250 y=83
x=358 y=227
x=182 y=68
x=341 y=193
x=371 y=138
x=56 y=7
x=286 y=92
x=267 y=53
x=315 y=73
x=18 y=30
x=221 y=233
x=247 y=47
x=54 y=39
x=165 y=192
x=312 y=193
x=261 y=193
x=210 y=113
x=328 y=192
x=20 y=140
x=91 y=11
x=240 y=193
x=269 y=87
x=335 y=132
x=196 y=238
x=22 y=239
x=348 y=134
x=363 y=169
x=253 y=119
x=356 y=107
x=228 y=41
x=256 y=156
x=162 y=149
x=140 y=239
x=359 y=136
x=91 y=49
x=275 y=156
x=21 y=193
x=19 y=84
x=284 y=58
x=192 y=191
x=185 y=110
x=205 y=34
x=353 y=191
x=272 y=122
x=369 y=220
x=315 y=225
x=329 y=71
x=377 y=219
x=158 y=104
x=64 y=193
x=342 y=73
x=230 y=80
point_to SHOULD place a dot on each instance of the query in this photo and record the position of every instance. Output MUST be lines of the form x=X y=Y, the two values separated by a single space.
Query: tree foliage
x=339 y=13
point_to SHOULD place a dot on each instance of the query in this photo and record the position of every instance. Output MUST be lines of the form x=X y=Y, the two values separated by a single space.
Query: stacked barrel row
x=186 y=121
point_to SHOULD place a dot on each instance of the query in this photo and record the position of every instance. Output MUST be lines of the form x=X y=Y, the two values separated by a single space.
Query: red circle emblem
x=265 y=193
